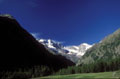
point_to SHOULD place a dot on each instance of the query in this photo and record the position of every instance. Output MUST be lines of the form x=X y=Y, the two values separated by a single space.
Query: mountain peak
x=50 y=43
x=86 y=44
x=71 y=52
x=7 y=15
x=42 y=40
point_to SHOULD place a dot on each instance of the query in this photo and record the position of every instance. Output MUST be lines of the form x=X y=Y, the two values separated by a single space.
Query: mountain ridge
x=23 y=51
x=108 y=48
x=72 y=53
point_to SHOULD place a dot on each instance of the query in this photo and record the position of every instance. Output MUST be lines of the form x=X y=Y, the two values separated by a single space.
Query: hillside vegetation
x=108 y=48
x=102 y=57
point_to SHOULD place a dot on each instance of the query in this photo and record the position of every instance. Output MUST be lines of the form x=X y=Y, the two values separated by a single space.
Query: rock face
x=19 y=48
x=108 y=48
x=72 y=53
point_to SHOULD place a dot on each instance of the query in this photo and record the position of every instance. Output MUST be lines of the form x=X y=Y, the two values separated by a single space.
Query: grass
x=103 y=75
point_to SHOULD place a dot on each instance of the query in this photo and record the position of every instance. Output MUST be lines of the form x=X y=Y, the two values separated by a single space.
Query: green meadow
x=103 y=75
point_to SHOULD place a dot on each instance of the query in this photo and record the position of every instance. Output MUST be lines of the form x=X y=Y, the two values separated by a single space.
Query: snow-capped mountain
x=70 y=52
x=78 y=50
x=51 y=44
x=54 y=46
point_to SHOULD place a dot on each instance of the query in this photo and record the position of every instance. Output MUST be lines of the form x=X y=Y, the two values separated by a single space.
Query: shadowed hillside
x=21 y=50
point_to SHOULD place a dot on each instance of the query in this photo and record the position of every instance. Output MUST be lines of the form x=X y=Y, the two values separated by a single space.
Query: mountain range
x=108 y=48
x=21 y=52
x=72 y=53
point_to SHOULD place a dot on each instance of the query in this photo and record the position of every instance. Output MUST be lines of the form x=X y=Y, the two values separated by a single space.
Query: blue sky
x=69 y=21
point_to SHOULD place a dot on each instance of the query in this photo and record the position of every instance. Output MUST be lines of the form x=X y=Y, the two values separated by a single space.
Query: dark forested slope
x=20 y=49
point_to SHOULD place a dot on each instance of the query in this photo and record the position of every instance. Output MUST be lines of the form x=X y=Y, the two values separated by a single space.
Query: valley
x=31 y=58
